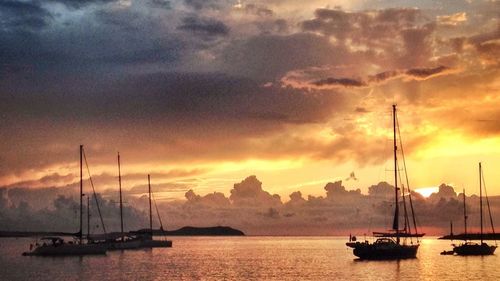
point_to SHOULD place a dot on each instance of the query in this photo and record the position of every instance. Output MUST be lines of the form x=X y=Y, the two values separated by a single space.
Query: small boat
x=447 y=253
x=469 y=248
x=474 y=249
x=148 y=237
x=56 y=246
x=391 y=245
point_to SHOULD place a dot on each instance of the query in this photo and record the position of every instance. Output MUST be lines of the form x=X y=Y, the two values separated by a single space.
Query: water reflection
x=246 y=258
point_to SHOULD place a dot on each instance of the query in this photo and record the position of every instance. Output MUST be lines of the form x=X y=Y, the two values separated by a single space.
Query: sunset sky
x=203 y=93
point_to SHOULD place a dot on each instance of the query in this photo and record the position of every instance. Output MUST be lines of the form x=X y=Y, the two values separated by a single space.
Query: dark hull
x=125 y=245
x=474 y=250
x=366 y=251
x=68 y=250
x=157 y=244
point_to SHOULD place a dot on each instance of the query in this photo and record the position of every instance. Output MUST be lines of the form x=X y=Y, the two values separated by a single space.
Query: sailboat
x=122 y=241
x=469 y=248
x=392 y=244
x=56 y=246
x=148 y=238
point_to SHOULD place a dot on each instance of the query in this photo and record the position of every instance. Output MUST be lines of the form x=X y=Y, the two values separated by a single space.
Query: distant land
x=471 y=236
x=184 y=231
x=197 y=231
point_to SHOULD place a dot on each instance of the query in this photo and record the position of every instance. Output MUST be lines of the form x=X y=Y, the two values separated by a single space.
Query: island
x=471 y=236
x=184 y=231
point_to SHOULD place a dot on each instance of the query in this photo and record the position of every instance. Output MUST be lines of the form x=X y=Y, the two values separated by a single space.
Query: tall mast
x=81 y=193
x=121 y=202
x=465 y=218
x=88 y=217
x=395 y=225
x=150 y=209
x=481 y=202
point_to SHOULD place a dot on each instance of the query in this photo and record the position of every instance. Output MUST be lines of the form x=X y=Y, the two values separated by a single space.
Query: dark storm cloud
x=204 y=108
x=80 y=3
x=17 y=15
x=205 y=27
x=205 y=4
x=103 y=42
x=165 y=4
x=269 y=57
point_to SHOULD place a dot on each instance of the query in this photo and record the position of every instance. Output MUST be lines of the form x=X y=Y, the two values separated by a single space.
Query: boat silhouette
x=470 y=248
x=148 y=240
x=393 y=244
x=57 y=246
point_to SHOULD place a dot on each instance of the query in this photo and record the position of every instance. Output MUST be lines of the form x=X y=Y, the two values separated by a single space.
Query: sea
x=245 y=258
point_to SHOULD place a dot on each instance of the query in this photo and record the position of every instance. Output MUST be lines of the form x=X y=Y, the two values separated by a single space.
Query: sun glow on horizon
x=427 y=191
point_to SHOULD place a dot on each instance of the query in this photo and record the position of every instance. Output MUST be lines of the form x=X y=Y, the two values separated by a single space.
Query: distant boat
x=122 y=241
x=148 y=237
x=469 y=248
x=393 y=244
x=56 y=246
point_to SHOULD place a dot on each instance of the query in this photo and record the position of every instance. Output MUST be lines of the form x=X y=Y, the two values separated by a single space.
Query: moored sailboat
x=56 y=246
x=148 y=237
x=392 y=244
x=122 y=241
x=469 y=248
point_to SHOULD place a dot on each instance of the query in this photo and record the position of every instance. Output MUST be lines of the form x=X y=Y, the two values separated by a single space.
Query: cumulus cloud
x=248 y=207
x=203 y=82
x=249 y=192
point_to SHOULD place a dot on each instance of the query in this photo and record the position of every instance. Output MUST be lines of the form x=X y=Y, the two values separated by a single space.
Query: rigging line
x=95 y=195
x=157 y=212
x=488 y=204
x=407 y=181
x=404 y=202
x=407 y=221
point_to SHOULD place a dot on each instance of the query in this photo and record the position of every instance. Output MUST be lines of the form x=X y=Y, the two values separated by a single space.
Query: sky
x=203 y=94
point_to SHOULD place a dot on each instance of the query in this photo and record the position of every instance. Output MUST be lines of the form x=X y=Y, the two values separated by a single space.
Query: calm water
x=245 y=258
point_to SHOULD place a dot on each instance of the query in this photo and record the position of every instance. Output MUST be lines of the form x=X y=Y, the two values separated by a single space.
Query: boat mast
x=121 y=202
x=481 y=202
x=81 y=193
x=465 y=218
x=395 y=225
x=150 y=209
x=407 y=181
x=88 y=217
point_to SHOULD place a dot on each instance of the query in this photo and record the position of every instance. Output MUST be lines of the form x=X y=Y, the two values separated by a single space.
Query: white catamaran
x=56 y=246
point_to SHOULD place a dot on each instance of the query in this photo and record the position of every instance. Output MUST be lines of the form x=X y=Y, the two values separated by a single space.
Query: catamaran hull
x=127 y=245
x=156 y=244
x=68 y=250
x=474 y=250
x=367 y=251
